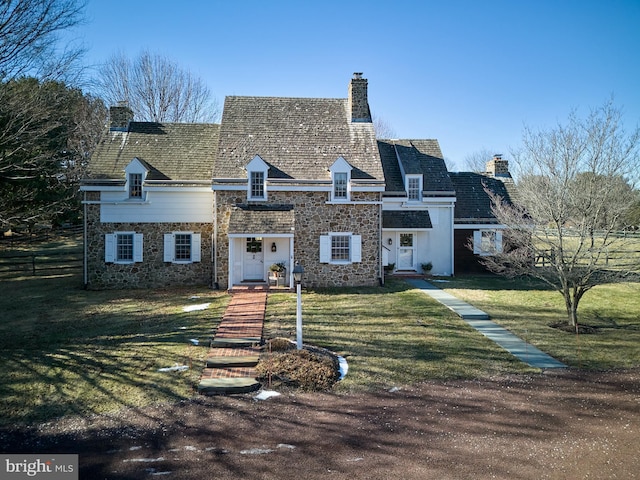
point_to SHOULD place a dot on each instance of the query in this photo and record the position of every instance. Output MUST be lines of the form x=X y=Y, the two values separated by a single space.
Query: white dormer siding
x=257 y=171
x=135 y=175
x=340 y=180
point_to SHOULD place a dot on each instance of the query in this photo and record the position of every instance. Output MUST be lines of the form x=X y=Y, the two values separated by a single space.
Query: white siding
x=163 y=207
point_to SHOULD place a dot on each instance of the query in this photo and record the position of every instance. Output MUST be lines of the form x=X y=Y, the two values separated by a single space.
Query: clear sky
x=469 y=73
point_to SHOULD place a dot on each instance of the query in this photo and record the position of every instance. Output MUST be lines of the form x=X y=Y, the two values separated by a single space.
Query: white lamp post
x=297 y=277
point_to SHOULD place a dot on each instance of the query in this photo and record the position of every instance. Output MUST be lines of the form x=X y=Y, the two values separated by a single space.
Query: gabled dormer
x=257 y=170
x=340 y=180
x=135 y=175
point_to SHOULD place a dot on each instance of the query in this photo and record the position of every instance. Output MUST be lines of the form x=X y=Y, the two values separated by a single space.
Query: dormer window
x=414 y=188
x=257 y=185
x=135 y=174
x=257 y=179
x=135 y=185
x=341 y=179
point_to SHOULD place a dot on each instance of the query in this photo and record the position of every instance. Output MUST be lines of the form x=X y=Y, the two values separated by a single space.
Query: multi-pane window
x=182 y=242
x=124 y=247
x=340 y=248
x=340 y=185
x=257 y=184
x=487 y=242
x=182 y=247
x=254 y=245
x=414 y=188
x=135 y=185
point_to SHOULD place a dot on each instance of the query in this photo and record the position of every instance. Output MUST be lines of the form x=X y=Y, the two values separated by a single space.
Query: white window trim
x=111 y=248
x=135 y=167
x=169 y=254
x=355 y=248
x=340 y=166
x=477 y=242
x=420 y=186
x=257 y=165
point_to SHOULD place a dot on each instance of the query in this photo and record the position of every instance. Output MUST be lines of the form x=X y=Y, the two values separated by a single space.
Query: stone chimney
x=119 y=117
x=358 y=103
x=498 y=168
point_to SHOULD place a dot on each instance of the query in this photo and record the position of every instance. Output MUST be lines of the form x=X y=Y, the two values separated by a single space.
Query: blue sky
x=469 y=73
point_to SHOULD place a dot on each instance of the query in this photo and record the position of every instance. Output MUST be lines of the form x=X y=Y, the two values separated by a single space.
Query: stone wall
x=313 y=218
x=152 y=271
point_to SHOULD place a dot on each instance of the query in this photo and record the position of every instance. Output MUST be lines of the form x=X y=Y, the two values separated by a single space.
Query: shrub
x=304 y=369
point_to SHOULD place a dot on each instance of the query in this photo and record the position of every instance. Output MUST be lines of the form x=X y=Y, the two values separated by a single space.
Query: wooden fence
x=48 y=263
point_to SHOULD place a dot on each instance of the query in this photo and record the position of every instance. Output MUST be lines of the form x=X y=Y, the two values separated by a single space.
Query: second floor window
x=414 y=189
x=256 y=185
x=135 y=185
x=340 y=186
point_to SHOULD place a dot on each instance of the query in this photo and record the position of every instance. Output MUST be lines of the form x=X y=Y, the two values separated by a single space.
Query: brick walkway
x=235 y=348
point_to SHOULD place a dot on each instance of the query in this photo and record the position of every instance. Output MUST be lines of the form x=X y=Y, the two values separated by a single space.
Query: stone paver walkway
x=235 y=348
x=480 y=321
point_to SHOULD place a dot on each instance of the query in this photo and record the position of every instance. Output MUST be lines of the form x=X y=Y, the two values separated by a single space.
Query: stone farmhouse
x=279 y=181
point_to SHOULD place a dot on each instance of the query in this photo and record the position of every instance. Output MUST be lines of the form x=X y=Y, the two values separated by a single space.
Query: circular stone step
x=224 y=386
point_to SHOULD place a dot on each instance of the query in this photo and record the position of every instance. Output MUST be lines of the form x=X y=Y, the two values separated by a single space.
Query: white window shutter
x=356 y=248
x=498 y=244
x=137 y=247
x=325 y=248
x=195 y=247
x=169 y=249
x=110 y=247
x=477 y=242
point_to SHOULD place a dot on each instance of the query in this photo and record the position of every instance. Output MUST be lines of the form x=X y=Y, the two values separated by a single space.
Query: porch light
x=297 y=277
x=390 y=241
x=274 y=248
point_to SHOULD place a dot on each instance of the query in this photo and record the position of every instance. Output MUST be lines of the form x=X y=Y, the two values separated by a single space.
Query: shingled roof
x=414 y=157
x=299 y=138
x=171 y=151
x=473 y=204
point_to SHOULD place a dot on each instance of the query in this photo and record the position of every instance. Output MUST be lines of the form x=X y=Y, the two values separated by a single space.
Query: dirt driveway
x=559 y=425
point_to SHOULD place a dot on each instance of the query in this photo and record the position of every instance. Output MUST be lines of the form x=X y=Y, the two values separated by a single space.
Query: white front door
x=253 y=265
x=406 y=252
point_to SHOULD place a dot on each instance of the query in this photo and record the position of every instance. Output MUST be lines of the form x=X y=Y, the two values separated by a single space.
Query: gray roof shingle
x=299 y=138
x=408 y=219
x=416 y=157
x=473 y=204
x=271 y=219
x=171 y=151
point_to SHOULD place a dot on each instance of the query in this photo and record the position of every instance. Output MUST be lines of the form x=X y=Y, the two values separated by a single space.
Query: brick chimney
x=497 y=167
x=119 y=117
x=358 y=103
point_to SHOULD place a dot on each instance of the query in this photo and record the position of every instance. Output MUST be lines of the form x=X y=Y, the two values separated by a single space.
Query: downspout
x=380 y=268
x=214 y=251
x=85 y=271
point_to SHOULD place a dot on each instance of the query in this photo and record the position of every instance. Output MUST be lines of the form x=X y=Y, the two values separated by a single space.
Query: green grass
x=528 y=308
x=65 y=350
x=390 y=336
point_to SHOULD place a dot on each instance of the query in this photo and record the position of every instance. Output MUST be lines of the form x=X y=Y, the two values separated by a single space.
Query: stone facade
x=314 y=217
x=152 y=272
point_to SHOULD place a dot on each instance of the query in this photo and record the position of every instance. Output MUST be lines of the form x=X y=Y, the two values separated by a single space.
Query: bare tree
x=157 y=89
x=576 y=186
x=477 y=161
x=383 y=129
x=29 y=37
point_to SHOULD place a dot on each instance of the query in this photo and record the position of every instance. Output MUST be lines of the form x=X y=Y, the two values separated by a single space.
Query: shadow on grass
x=64 y=350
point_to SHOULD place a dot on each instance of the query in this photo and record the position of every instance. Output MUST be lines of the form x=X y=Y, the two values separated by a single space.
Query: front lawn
x=528 y=308
x=64 y=350
x=390 y=336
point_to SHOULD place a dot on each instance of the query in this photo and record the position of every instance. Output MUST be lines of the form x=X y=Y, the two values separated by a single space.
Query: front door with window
x=253 y=260
x=406 y=252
